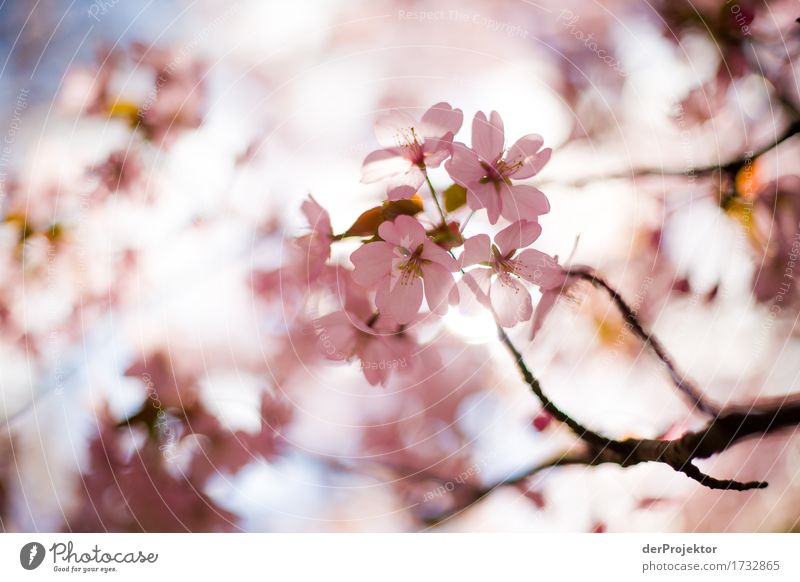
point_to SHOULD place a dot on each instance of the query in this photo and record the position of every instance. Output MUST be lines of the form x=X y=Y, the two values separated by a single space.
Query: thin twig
x=719 y=434
x=680 y=380
x=730 y=168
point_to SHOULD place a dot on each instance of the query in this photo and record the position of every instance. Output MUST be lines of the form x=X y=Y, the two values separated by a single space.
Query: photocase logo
x=31 y=555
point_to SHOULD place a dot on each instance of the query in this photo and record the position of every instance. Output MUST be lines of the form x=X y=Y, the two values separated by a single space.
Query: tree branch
x=731 y=167
x=716 y=436
x=720 y=433
x=681 y=382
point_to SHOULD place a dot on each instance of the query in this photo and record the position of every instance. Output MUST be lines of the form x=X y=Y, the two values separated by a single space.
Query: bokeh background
x=153 y=161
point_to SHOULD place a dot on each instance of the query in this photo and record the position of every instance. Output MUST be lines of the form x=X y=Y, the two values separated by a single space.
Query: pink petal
x=409 y=231
x=510 y=300
x=543 y=308
x=336 y=335
x=387 y=230
x=441 y=119
x=518 y=235
x=438 y=284
x=523 y=202
x=477 y=249
x=371 y=358
x=437 y=150
x=539 y=268
x=455 y=295
x=464 y=166
x=401 y=300
x=526 y=151
x=477 y=283
x=488 y=136
x=393 y=128
x=384 y=164
x=317 y=217
x=372 y=262
x=411 y=178
x=484 y=196
x=435 y=253
x=401 y=193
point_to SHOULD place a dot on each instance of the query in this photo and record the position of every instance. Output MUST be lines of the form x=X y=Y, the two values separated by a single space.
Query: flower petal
x=518 y=235
x=543 y=308
x=523 y=202
x=318 y=218
x=526 y=151
x=372 y=354
x=477 y=283
x=488 y=136
x=393 y=128
x=336 y=335
x=401 y=300
x=407 y=232
x=484 y=196
x=384 y=164
x=401 y=192
x=435 y=253
x=477 y=249
x=464 y=166
x=438 y=284
x=436 y=150
x=411 y=178
x=372 y=262
x=510 y=300
x=539 y=268
x=441 y=119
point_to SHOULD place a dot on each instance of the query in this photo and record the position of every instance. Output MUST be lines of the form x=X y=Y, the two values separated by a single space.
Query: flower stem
x=435 y=197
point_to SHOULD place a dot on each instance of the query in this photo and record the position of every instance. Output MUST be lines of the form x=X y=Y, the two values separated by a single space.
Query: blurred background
x=154 y=157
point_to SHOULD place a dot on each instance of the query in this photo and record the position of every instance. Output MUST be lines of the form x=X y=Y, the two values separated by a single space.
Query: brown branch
x=731 y=168
x=719 y=434
x=685 y=385
x=472 y=494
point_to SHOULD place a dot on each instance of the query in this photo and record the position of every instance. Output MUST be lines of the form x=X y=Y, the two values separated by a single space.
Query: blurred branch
x=725 y=429
x=681 y=382
x=715 y=437
x=720 y=433
x=471 y=494
x=730 y=168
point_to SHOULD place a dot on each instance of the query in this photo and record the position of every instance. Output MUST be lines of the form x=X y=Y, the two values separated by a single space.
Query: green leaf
x=454 y=197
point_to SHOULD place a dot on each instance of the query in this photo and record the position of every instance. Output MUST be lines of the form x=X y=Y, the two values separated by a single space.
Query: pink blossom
x=401 y=265
x=486 y=171
x=344 y=335
x=499 y=279
x=411 y=146
x=358 y=331
x=317 y=244
x=555 y=281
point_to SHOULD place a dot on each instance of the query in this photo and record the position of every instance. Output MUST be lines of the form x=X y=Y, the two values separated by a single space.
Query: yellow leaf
x=126 y=110
x=367 y=224
x=454 y=197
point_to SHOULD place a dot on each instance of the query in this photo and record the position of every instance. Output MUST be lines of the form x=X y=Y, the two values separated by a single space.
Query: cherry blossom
x=486 y=171
x=410 y=147
x=499 y=279
x=554 y=282
x=358 y=331
x=317 y=244
x=401 y=265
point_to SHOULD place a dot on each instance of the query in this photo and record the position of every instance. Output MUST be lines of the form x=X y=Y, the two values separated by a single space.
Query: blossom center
x=407 y=138
x=499 y=172
x=505 y=265
x=410 y=263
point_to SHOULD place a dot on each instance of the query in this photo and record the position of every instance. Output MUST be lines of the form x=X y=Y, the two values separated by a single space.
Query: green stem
x=435 y=197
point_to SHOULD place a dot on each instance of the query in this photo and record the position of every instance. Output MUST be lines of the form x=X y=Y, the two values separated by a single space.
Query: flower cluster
x=410 y=268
